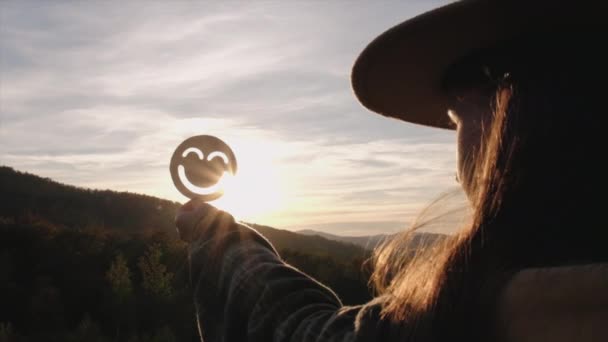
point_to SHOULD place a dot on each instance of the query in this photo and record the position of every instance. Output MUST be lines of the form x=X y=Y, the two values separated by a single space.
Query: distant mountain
x=314 y=244
x=26 y=197
x=372 y=241
x=368 y=242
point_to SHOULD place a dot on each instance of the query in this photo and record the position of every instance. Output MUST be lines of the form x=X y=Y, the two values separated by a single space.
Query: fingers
x=196 y=217
x=190 y=215
x=192 y=205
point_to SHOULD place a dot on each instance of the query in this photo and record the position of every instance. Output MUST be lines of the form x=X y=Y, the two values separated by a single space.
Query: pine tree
x=156 y=280
x=119 y=277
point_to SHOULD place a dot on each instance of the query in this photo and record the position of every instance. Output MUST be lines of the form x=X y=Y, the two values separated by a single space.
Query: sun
x=255 y=192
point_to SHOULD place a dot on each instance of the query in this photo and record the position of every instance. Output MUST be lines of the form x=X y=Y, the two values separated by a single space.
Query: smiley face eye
x=194 y=150
x=218 y=154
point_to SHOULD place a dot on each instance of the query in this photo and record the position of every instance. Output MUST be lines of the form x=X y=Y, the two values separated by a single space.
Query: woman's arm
x=245 y=292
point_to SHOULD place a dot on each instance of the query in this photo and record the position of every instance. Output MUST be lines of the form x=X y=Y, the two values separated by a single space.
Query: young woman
x=523 y=85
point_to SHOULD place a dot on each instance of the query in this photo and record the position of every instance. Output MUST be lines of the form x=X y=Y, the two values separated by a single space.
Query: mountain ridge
x=29 y=197
x=72 y=257
x=365 y=241
x=370 y=242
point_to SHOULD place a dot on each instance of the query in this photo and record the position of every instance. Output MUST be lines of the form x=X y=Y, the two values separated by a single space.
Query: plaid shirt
x=245 y=292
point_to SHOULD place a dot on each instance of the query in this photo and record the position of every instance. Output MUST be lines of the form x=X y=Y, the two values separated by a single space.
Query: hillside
x=26 y=196
x=29 y=197
x=98 y=265
x=367 y=242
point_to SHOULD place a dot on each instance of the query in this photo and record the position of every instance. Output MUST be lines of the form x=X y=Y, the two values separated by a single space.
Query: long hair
x=539 y=180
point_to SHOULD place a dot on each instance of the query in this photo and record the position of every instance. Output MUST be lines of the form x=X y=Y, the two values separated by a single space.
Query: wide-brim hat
x=401 y=73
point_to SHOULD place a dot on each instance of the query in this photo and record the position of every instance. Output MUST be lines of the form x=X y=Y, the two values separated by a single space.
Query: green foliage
x=156 y=280
x=61 y=275
x=119 y=278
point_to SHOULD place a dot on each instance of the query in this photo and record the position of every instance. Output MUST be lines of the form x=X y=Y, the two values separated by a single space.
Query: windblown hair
x=540 y=187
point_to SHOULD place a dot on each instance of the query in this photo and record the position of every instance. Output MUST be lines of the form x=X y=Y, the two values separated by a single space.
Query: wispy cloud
x=99 y=93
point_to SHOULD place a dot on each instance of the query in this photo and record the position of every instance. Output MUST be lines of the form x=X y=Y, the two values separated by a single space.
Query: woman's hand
x=195 y=218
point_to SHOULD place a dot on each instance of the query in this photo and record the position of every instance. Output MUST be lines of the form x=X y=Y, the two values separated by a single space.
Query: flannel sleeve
x=245 y=292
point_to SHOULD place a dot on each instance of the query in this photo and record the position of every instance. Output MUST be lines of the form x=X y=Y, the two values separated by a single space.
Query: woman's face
x=471 y=113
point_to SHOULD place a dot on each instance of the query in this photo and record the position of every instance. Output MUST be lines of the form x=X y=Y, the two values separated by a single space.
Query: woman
x=523 y=85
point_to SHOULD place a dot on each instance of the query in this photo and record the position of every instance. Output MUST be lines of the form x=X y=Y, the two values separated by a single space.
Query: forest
x=96 y=265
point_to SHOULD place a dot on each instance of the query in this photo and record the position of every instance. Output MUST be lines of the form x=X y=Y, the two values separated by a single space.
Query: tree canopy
x=96 y=265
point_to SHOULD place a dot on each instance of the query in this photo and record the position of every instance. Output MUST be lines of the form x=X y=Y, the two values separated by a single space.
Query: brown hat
x=401 y=73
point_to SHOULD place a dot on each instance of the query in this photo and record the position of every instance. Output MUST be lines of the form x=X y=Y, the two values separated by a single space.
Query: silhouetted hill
x=368 y=241
x=78 y=262
x=27 y=197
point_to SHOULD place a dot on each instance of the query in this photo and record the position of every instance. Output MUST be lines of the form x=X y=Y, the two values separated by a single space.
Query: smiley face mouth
x=199 y=190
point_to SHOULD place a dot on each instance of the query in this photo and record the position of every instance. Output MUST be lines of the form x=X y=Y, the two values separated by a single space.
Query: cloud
x=98 y=95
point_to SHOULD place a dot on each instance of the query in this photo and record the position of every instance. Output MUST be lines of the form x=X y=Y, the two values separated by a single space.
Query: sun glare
x=255 y=193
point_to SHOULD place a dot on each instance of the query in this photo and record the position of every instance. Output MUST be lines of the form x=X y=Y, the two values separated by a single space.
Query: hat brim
x=400 y=73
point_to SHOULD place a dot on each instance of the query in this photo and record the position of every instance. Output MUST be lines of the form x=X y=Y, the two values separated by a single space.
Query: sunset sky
x=99 y=94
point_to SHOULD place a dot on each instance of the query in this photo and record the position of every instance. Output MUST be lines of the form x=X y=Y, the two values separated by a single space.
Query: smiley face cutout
x=198 y=165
